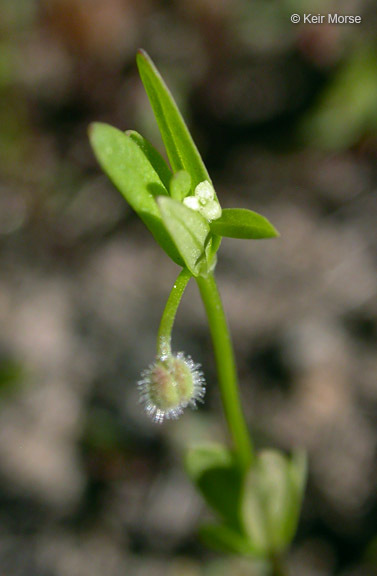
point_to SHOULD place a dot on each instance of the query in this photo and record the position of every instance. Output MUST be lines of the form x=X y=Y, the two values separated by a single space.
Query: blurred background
x=285 y=117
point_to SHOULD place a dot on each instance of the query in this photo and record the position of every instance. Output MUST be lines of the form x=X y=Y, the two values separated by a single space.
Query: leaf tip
x=274 y=232
x=161 y=200
x=142 y=56
x=94 y=129
x=91 y=129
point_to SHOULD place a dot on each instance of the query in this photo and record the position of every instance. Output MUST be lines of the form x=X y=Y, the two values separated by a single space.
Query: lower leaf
x=222 y=538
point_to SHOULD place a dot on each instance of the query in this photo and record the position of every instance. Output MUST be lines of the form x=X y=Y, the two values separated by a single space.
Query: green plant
x=256 y=496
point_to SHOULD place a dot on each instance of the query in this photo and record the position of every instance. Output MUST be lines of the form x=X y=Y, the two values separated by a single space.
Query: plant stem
x=170 y=311
x=278 y=568
x=226 y=369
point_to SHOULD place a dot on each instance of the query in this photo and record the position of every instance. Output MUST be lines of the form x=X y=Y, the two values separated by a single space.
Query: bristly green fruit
x=169 y=385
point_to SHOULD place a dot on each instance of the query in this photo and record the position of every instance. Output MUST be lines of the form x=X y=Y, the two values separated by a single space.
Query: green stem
x=277 y=567
x=168 y=316
x=226 y=369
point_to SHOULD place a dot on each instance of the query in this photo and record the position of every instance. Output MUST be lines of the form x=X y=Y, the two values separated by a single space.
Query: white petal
x=191 y=202
x=211 y=211
x=205 y=191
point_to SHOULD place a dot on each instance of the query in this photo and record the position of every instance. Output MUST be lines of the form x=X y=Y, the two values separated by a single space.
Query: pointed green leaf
x=242 y=223
x=180 y=147
x=189 y=231
x=153 y=156
x=180 y=185
x=130 y=170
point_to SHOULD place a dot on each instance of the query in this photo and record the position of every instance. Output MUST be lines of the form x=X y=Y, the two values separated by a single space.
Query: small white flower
x=169 y=385
x=204 y=201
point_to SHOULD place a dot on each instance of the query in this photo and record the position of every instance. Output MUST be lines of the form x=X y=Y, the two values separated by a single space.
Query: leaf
x=242 y=223
x=130 y=170
x=180 y=147
x=297 y=471
x=253 y=513
x=272 y=500
x=189 y=231
x=276 y=495
x=210 y=455
x=154 y=157
x=180 y=185
x=215 y=245
x=224 y=539
x=218 y=477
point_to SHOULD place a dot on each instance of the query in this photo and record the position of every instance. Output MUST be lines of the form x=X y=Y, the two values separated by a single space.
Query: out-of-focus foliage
x=347 y=108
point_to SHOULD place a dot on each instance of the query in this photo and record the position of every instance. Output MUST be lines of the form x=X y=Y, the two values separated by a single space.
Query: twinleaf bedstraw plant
x=256 y=496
